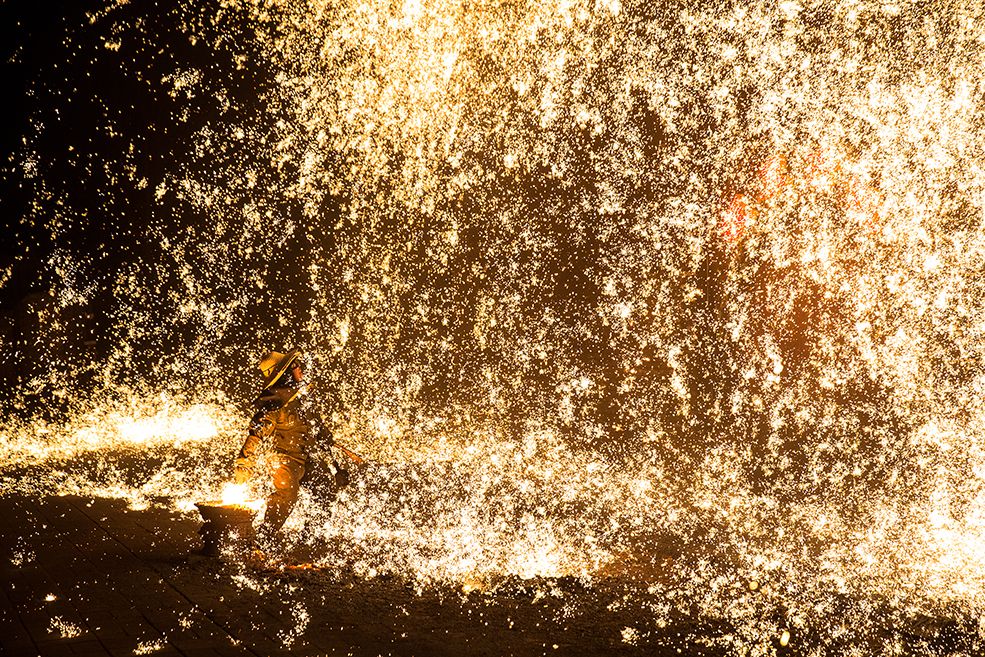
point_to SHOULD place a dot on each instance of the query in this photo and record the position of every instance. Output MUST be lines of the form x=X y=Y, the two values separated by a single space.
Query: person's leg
x=287 y=478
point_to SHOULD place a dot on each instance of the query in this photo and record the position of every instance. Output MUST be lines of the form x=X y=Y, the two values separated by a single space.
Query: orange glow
x=820 y=171
x=735 y=218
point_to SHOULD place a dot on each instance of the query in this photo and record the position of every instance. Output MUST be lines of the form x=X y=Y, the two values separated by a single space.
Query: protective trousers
x=286 y=473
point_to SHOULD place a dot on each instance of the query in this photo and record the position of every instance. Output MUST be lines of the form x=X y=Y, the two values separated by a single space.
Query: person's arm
x=246 y=460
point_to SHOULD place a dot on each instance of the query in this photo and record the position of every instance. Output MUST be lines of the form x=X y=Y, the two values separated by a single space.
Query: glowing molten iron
x=239 y=495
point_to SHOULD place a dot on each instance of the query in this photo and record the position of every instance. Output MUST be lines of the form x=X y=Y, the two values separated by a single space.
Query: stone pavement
x=92 y=577
x=82 y=576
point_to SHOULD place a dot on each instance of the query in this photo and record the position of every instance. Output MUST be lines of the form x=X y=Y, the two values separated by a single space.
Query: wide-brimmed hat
x=274 y=364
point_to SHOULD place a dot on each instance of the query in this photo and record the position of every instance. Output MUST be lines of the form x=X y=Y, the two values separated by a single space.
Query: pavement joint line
x=165 y=579
x=27 y=633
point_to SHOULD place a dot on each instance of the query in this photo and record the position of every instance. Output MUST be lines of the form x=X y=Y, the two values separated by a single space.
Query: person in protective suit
x=281 y=419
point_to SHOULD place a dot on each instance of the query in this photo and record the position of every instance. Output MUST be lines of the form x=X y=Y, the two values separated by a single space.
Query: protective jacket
x=279 y=419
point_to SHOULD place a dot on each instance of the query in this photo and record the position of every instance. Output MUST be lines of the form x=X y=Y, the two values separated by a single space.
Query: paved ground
x=81 y=576
x=90 y=577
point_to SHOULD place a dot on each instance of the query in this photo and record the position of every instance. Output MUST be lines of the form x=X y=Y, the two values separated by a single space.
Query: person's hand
x=241 y=475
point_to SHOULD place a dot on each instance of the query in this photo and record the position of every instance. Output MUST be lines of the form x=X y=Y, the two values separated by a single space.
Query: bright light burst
x=239 y=495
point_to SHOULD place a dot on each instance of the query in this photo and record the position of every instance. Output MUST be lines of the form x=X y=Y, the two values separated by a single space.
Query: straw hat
x=274 y=364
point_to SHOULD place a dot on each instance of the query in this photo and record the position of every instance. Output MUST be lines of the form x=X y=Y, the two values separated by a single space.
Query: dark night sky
x=94 y=126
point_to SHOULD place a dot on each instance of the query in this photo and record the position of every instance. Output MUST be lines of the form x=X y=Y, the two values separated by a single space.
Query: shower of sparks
x=149 y=647
x=64 y=629
x=592 y=284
